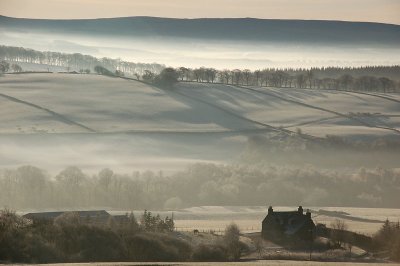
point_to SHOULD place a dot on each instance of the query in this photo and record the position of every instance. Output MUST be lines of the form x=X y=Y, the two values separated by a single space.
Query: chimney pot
x=300 y=210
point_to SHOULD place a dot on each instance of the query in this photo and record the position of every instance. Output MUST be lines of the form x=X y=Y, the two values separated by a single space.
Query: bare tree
x=226 y=74
x=247 y=75
x=310 y=77
x=231 y=239
x=257 y=75
x=183 y=72
x=237 y=76
x=301 y=81
x=339 y=232
x=197 y=74
x=346 y=80
x=148 y=76
x=259 y=245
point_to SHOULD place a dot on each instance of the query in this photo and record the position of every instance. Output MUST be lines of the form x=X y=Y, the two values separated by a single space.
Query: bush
x=388 y=239
x=148 y=76
x=95 y=244
x=210 y=253
x=103 y=71
x=4 y=66
x=395 y=248
x=119 y=73
x=156 y=247
x=231 y=240
x=16 y=68
x=167 y=78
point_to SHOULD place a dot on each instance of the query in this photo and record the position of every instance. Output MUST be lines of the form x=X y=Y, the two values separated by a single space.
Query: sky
x=384 y=11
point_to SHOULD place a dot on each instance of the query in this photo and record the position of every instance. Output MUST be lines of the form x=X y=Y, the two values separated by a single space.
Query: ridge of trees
x=370 y=78
x=367 y=78
x=74 y=61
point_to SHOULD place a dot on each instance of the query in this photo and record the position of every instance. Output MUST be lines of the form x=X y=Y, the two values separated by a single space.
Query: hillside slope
x=95 y=121
x=60 y=103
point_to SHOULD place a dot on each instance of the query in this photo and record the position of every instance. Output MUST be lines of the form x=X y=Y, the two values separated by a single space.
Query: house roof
x=290 y=222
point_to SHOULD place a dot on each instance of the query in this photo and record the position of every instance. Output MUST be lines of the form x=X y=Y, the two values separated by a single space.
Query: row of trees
x=152 y=223
x=28 y=187
x=74 y=61
x=370 y=78
x=315 y=78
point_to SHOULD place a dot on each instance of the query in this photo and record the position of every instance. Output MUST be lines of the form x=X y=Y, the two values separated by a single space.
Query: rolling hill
x=67 y=103
x=51 y=120
x=235 y=29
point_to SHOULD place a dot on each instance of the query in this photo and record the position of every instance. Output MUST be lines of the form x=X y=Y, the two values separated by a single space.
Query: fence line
x=214 y=230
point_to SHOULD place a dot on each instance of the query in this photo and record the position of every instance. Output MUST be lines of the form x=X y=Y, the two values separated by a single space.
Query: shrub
x=231 y=240
x=16 y=68
x=167 y=78
x=68 y=219
x=4 y=66
x=119 y=73
x=395 y=249
x=210 y=253
x=103 y=71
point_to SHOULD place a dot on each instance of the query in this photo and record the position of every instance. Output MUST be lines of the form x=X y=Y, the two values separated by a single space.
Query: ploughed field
x=82 y=119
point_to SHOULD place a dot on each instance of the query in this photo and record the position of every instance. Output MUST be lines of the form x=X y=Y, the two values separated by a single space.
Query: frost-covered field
x=249 y=218
x=63 y=103
x=95 y=121
x=216 y=218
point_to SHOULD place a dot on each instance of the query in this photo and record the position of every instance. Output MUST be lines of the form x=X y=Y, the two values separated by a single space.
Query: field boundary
x=57 y=116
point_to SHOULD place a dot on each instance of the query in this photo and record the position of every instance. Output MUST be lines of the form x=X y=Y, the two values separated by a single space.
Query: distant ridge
x=235 y=29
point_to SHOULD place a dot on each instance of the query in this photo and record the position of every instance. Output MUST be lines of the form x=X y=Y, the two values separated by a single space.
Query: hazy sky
x=386 y=11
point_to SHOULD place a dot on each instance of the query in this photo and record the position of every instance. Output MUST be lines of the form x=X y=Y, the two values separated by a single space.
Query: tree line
x=334 y=78
x=29 y=187
x=74 y=61
x=368 y=78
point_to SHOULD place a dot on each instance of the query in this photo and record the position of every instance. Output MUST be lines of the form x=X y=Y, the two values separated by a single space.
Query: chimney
x=270 y=210
x=300 y=210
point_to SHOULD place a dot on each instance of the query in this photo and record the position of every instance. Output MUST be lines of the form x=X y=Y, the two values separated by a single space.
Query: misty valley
x=143 y=139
